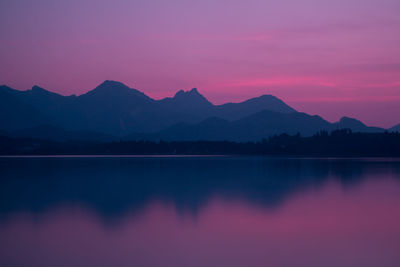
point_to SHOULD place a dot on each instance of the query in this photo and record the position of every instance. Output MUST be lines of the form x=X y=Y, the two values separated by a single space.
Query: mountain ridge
x=251 y=128
x=114 y=109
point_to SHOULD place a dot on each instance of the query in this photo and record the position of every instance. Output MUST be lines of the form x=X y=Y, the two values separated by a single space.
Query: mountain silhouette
x=189 y=99
x=395 y=128
x=234 y=111
x=356 y=125
x=114 y=109
x=251 y=128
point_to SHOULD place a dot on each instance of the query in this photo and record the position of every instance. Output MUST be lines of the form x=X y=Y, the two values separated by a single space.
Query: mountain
x=113 y=108
x=395 y=128
x=251 y=128
x=233 y=111
x=117 y=110
x=356 y=126
x=37 y=106
x=15 y=112
x=191 y=99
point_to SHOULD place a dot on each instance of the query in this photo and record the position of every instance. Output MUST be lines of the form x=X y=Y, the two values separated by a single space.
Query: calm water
x=199 y=212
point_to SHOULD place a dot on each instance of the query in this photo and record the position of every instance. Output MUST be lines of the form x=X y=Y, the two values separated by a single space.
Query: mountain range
x=113 y=111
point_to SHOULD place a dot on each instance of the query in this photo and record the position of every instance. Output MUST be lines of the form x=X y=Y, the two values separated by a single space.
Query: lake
x=199 y=211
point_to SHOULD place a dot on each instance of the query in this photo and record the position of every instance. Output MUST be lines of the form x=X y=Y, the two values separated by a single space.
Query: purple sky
x=331 y=58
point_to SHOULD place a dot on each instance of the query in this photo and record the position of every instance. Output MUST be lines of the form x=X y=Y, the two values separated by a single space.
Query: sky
x=331 y=58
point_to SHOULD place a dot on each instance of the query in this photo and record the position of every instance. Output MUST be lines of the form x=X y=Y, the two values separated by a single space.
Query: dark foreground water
x=199 y=211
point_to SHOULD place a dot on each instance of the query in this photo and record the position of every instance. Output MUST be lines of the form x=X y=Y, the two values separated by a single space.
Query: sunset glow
x=331 y=58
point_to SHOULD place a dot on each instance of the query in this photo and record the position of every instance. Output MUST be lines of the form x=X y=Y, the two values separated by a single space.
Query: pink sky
x=331 y=58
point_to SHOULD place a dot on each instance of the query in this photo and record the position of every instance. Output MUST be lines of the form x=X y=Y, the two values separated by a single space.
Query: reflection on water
x=217 y=211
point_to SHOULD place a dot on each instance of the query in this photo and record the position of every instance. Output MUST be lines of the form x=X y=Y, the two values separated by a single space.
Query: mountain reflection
x=115 y=187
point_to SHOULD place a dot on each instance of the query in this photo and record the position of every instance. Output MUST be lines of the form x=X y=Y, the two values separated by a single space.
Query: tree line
x=337 y=143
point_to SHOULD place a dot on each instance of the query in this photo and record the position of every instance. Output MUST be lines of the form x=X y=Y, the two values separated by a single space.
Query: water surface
x=199 y=211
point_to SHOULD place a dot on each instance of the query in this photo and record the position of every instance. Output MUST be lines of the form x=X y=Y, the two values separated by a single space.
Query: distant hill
x=356 y=126
x=16 y=111
x=234 y=111
x=114 y=109
x=395 y=128
x=251 y=128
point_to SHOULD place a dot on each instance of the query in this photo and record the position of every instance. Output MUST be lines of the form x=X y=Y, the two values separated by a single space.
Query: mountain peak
x=193 y=91
x=112 y=85
x=113 y=89
x=191 y=97
x=179 y=93
x=38 y=91
x=108 y=83
x=268 y=102
x=355 y=125
x=350 y=122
